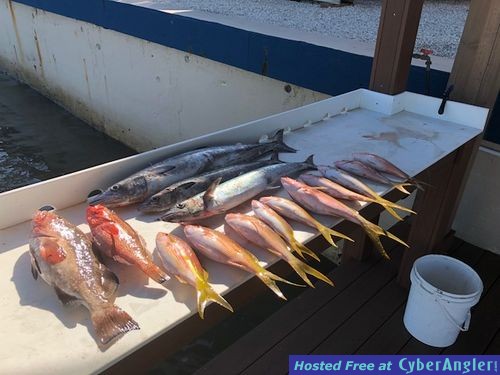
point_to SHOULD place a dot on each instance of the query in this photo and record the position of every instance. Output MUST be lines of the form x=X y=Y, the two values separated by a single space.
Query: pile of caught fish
x=193 y=186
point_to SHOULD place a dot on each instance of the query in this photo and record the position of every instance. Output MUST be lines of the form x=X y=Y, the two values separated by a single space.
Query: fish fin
x=109 y=282
x=418 y=184
x=389 y=206
x=111 y=322
x=35 y=267
x=280 y=145
x=402 y=187
x=64 y=297
x=320 y=188
x=156 y=273
x=34 y=271
x=269 y=279
x=389 y=209
x=374 y=232
x=162 y=169
x=304 y=269
x=399 y=207
x=208 y=197
x=205 y=294
x=275 y=157
x=310 y=160
x=180 y=279
x=51 y=252
x=302 y=249
x=110 y=228
x=328 y=233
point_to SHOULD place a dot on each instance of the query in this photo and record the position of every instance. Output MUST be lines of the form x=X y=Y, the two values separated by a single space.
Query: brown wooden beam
x=476 y=70
x=395 y=43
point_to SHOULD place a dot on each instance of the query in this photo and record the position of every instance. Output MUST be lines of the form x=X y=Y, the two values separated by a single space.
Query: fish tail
x=280 y=145
x=402 y=187
x=388 y=205
x=328 y=234
x=111 y=322
x=304 y=269
x=205 y=294
x=269 y=279
x=374 y=232
x=302 y=249
x=418 y=184
x=156 y=273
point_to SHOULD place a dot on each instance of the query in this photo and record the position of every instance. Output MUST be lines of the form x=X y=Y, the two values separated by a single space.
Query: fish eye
x=115 y=188
x=181 y=205
x=155 y=199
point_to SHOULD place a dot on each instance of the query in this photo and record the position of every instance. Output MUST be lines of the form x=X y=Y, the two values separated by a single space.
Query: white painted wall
x=478 y=217
x=141 y=93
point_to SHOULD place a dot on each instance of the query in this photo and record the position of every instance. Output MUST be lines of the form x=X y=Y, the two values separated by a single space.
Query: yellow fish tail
x=269 y=279
x=205 y=294
x=374 y=232
x=303 y=270
x=328 y=234
x=302 y=249
x=402 y=187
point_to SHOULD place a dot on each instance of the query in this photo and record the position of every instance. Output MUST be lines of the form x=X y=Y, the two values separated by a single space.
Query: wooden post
x=395 y=42
x=476 y=76
x=476 y=71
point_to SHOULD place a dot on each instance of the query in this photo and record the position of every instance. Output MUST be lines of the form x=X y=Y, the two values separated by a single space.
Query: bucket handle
x=462 y=327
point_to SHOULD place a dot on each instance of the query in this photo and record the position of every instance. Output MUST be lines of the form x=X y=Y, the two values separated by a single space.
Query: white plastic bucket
x=443 y=290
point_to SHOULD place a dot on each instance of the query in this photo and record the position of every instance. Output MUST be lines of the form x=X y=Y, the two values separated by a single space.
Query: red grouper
x=324 y=204
x=62 y=255
x=361 y=170
x=385 y=166
x=340 y=192
x=275 y=221
x=181 y=261
x=260 y=234
x=118 y=240
x=293 y=211
x=222 y=249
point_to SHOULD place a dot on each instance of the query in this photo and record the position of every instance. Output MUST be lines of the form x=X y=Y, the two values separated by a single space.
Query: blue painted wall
x=318 y=68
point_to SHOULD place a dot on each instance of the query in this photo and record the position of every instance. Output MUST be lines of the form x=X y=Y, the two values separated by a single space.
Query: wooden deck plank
x=251 y=346
x=468 y=254
x=355 y=330
x=389 y=338
x=266 y=335
x=494 y=345
x=308 y=335
x=483 y=327
x=485 y=322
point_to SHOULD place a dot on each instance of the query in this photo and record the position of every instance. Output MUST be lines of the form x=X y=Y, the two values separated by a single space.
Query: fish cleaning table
x=42 y=336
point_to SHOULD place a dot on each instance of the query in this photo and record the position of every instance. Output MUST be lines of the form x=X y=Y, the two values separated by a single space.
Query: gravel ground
x=440 y=26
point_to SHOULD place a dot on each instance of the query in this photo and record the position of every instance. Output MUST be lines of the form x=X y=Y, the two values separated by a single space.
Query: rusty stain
x=38 y=52
x=14 y=24
x=86 y=77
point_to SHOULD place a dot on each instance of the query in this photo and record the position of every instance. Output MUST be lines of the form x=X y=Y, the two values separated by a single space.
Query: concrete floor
x=40 y=140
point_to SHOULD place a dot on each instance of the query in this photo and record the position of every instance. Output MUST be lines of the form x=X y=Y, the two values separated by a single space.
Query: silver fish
x=222 y=197
x=62 y=255
x=151 y=180
x=189 y=187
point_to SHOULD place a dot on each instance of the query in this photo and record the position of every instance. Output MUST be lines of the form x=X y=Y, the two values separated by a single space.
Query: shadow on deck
x=363 y=314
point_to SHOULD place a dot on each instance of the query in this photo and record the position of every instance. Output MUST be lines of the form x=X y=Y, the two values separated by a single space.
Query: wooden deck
x=363 y=315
